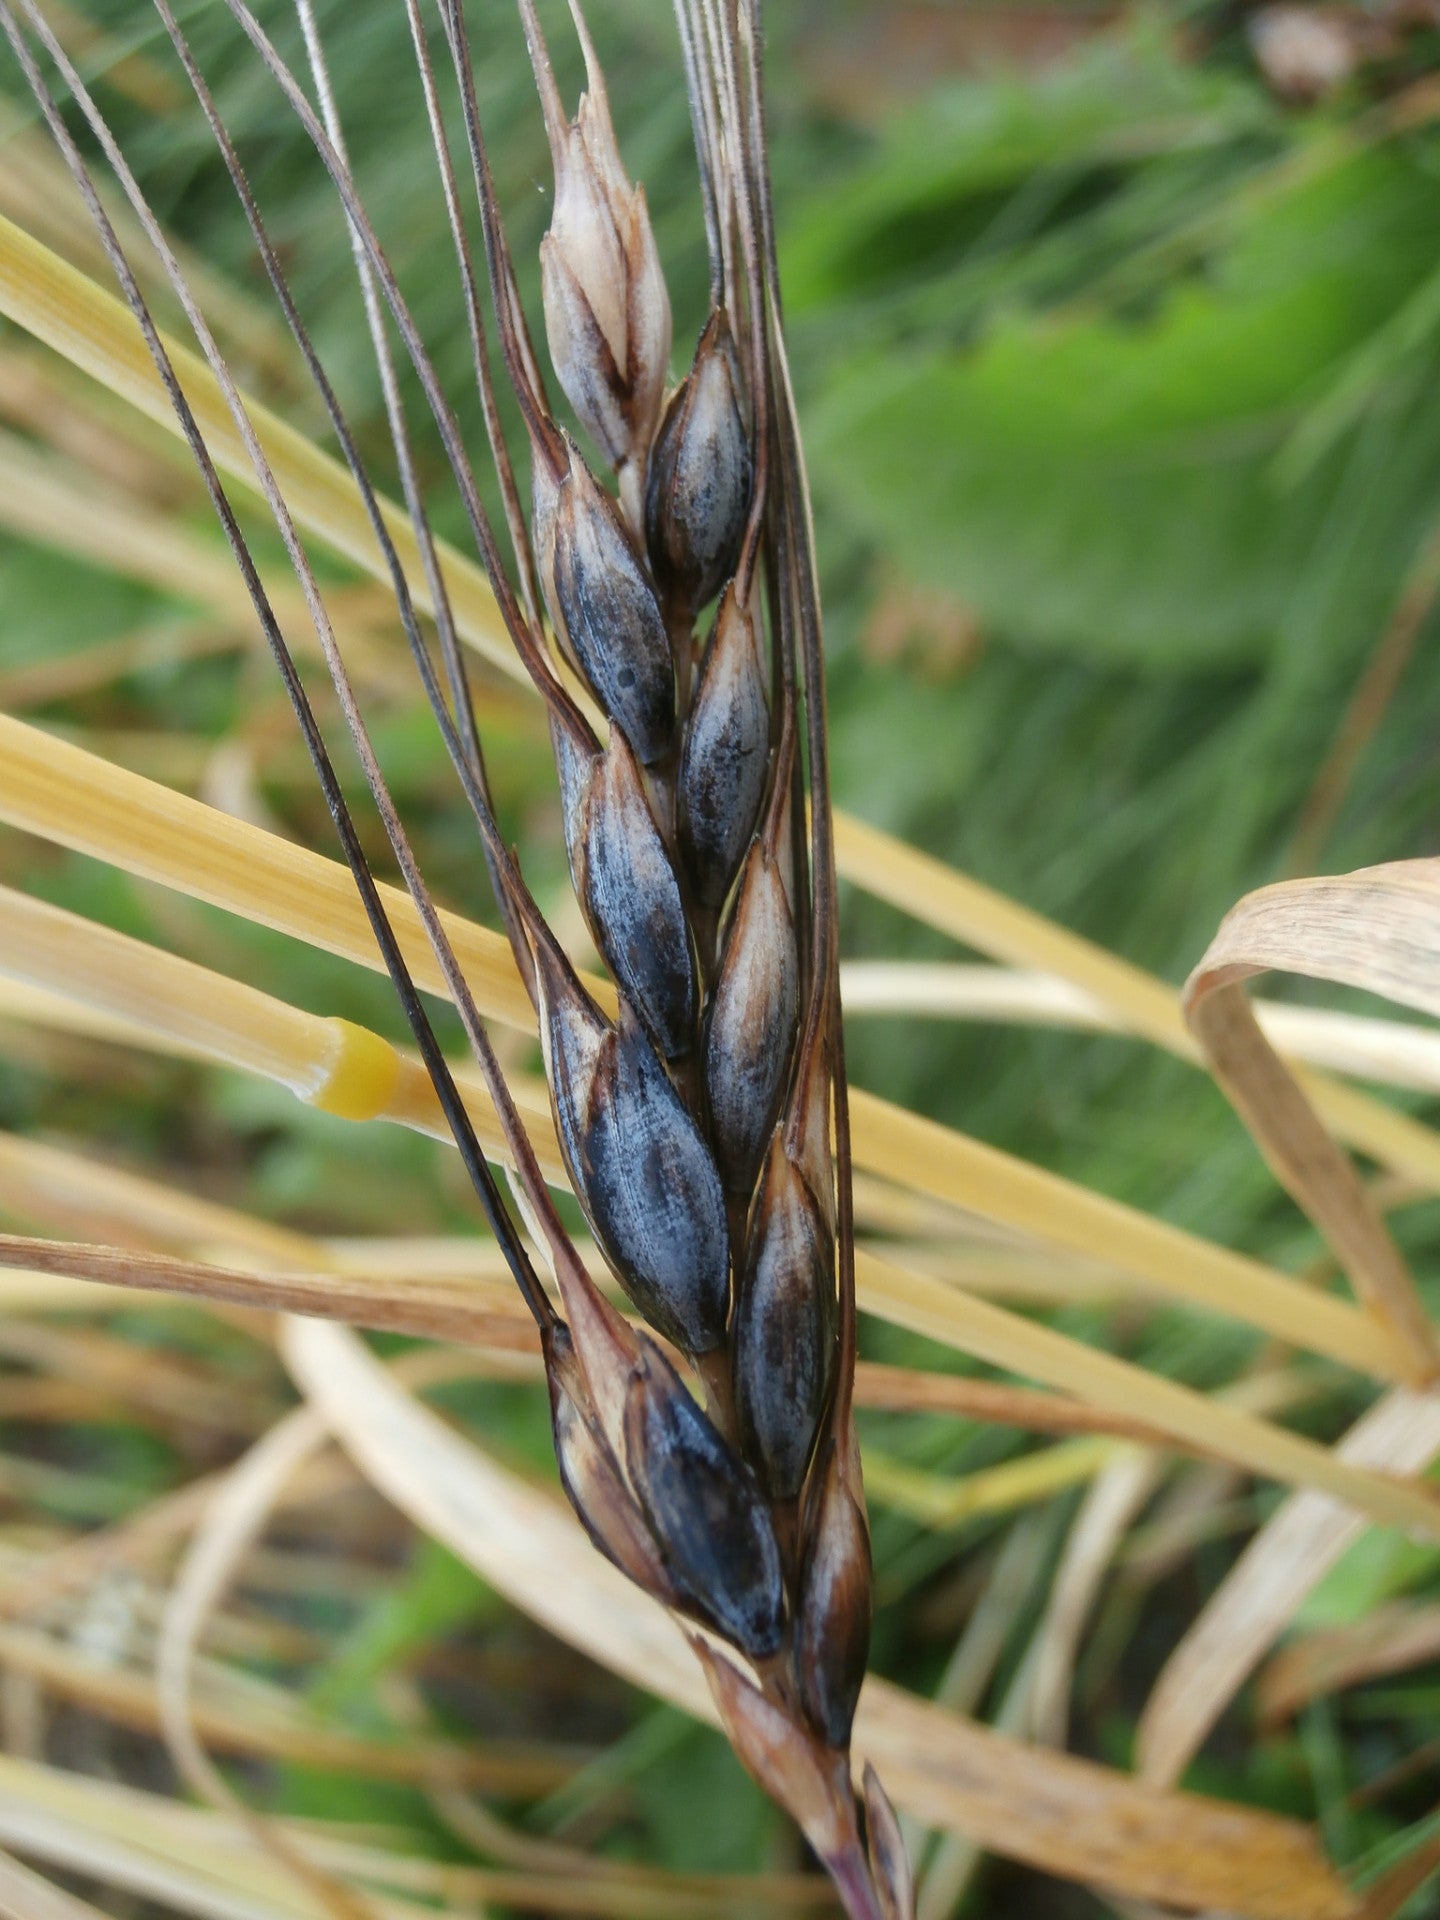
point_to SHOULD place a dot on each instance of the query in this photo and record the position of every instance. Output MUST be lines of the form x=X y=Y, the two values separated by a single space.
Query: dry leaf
x=1396 y=1052
x=1379 y=929
x=25 y=1895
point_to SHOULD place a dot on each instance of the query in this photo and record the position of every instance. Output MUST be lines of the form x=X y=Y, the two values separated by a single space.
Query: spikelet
x=698 y=494
x=607 y=310
x=627 y=886
x=725 y=760
x=602 y=601
x=639 y=1164
x=784 y=1327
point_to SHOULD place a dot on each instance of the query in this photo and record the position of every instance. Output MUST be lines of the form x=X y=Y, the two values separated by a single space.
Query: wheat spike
x=697 y=1127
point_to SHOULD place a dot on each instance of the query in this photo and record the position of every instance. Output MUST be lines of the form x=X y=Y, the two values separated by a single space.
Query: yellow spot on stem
x=363 y=1074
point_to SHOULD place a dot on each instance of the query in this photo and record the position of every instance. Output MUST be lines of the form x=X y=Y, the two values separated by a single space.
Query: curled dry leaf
x=1070 y=1817
x=1379 y=929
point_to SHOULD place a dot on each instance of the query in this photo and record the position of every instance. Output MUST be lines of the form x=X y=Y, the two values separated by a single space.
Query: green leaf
x=1380 y=1566
x=959 y=168
x=437 y=1595
x=1107 y=484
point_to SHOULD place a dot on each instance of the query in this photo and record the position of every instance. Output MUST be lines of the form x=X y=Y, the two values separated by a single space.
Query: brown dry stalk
x=703 y=1121
x=488 y=1321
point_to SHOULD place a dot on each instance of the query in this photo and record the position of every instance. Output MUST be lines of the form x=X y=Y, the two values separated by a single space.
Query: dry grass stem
x=27 y=1895
x=1392 y=1639
x=205 y=1863
x=81 y=1192
x=58 y=790
x=1396 y=1053
x=76 y=317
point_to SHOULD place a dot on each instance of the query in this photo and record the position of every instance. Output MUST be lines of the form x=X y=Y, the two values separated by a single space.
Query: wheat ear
x=705 y=1128
x=701 y=1131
